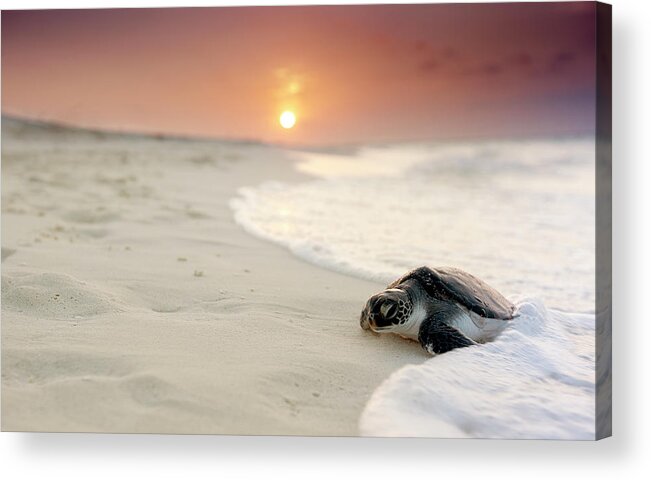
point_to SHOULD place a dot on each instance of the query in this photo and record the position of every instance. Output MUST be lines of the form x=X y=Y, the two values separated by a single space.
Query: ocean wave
x=520 y=215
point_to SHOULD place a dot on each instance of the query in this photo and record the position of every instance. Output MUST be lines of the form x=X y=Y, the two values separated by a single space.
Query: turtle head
x=386 y=310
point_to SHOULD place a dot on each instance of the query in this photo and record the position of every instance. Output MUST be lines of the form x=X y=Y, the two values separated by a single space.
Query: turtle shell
x=461 y=287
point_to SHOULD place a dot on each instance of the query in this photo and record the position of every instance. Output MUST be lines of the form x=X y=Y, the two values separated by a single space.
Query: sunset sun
x=287 y=119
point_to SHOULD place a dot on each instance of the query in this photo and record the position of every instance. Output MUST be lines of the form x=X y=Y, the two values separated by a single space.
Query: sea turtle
x=442 y=308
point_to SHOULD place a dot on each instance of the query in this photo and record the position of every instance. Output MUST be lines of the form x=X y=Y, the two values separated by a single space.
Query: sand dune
x=132 y=302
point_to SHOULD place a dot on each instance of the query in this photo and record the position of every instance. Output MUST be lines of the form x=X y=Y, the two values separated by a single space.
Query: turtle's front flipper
x=437 y=337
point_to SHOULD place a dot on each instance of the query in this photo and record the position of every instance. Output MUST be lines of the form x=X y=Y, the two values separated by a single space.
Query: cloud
x=489 y=68
x=433 y=59
x=521 y=59
x=560 y=61
x=430 y=65
x=448 y=59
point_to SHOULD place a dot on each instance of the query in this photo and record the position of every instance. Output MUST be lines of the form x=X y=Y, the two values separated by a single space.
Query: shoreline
x=133 y=302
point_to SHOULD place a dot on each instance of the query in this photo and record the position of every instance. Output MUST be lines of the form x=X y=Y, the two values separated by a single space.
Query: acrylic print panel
x=377 y=220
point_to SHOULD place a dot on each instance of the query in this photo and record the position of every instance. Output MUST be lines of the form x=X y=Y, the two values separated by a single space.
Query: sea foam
x=520 y=215
x=535 y=381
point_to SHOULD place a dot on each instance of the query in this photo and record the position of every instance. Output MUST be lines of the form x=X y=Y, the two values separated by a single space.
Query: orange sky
x=350 y=73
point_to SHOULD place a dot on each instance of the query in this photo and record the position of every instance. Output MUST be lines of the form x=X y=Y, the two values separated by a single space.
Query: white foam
x=535 y=381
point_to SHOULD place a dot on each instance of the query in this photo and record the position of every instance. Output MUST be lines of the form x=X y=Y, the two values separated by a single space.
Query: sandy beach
x=132 y=301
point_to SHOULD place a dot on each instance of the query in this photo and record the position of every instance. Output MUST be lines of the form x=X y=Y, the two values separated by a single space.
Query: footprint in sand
x=7 y=252
x=38 y=366
x=156 y=298
x=150 y=390
x=52 y=295
x=89 y=215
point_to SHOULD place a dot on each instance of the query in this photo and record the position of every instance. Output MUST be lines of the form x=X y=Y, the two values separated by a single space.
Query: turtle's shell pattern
x=461 y=287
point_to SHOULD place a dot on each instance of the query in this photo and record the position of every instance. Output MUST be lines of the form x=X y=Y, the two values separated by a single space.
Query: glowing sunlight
x=287 y=119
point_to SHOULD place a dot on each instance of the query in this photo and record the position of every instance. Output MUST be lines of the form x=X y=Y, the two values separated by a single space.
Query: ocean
x=520 y=214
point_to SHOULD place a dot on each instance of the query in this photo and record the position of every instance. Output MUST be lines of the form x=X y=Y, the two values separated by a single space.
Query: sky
x=350 y=74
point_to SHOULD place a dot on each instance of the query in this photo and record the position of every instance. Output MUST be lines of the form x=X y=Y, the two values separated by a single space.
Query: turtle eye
x=389 y=309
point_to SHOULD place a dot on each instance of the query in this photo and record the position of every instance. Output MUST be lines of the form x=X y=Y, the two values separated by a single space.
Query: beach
x=153 y=284
x=133 y=302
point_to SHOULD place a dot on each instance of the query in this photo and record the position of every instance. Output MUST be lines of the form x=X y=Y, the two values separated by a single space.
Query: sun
x=287 y=119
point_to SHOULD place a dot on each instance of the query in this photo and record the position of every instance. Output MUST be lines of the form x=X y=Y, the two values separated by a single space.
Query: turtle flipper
x=437 y=337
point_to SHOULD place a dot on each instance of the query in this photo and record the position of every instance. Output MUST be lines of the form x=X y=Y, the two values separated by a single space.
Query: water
x=518 y=214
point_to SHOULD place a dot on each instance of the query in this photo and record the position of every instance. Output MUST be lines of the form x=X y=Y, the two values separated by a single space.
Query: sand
x=132 y=302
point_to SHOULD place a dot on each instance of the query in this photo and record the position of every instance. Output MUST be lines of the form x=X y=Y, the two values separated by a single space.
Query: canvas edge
x=603 y=209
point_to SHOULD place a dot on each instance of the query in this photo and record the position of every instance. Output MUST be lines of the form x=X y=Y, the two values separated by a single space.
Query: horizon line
x=161 y=135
